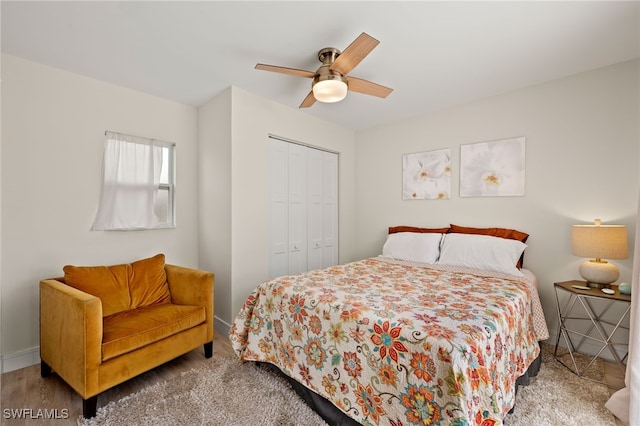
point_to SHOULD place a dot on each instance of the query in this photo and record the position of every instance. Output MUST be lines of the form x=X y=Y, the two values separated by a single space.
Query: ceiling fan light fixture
x=330 y=82
x=330 y=90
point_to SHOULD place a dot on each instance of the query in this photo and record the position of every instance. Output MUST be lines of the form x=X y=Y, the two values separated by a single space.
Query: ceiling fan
x=330 y=81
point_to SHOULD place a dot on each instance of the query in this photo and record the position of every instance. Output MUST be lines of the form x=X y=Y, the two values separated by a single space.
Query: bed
x=436 y=330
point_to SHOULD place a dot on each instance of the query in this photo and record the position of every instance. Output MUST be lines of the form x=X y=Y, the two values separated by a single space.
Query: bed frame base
x=325 y=409
x=532 y=371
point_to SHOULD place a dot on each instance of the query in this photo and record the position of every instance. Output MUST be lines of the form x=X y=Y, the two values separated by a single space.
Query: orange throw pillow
x=511 y=234
x=396 y=229
x=109 y=283
x=148 y=283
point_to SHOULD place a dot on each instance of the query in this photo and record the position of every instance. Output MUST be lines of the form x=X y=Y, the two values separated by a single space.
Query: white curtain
x=131 y=177
x=625 y=403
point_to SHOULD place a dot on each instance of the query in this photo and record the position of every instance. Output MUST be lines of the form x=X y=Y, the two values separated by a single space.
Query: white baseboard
x=21 y=359
x=221 y=327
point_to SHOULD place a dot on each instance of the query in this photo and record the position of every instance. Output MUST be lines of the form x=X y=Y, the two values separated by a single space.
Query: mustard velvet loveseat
x=102 y=325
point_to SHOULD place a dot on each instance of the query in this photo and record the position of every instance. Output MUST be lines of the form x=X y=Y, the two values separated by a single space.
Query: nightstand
x=596 y=332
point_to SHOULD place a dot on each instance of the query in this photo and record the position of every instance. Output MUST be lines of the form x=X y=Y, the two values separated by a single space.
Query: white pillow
x=482 y=252
x=413 y=246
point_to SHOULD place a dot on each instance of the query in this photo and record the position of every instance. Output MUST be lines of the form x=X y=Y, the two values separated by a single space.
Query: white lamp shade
x=330 y=90
x=598 y=242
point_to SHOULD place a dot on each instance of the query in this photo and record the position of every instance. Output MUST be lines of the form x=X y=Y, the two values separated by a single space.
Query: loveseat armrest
x=71 y=334
x=192 y=287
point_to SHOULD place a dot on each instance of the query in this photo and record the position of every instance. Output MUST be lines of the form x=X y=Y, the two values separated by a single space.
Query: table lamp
x=597 y=242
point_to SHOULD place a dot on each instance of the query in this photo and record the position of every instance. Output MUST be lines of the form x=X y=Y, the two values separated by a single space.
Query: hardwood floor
x=24 y=389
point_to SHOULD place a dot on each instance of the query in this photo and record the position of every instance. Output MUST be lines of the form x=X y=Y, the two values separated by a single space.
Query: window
x=138 y=184
x=163 y=206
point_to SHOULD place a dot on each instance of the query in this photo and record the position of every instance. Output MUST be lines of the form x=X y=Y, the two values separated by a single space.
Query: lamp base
x=599 y=273
x=598 y=285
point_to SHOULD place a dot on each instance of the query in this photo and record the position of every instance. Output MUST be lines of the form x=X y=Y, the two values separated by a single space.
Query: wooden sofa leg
x=89 y=407
x=208 y=349
x=45 y=369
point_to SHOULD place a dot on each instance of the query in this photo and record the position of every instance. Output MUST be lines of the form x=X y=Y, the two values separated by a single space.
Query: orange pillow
x=510 y=234
x=395 y=229
x=148 y=282
x=109 y=283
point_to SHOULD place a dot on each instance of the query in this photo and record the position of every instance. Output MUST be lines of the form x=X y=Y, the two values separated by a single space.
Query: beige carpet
x=558 y=397
x=225 y=392
x=230 y=393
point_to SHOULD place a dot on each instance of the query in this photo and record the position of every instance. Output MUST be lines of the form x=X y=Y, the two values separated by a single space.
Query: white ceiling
x=433 y=54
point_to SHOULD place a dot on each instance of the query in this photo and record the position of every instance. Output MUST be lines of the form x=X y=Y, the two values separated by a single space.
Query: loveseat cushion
x=130 y=330
x=109 y=283
x=148 y=282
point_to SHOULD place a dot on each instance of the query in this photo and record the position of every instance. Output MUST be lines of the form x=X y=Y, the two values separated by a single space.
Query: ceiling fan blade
x=308 y=101
x=354 y=53
x=285 y=70
x=368 y=88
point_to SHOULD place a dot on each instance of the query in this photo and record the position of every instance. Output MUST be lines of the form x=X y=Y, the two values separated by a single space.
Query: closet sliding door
x=297 y=222
x=322 y=224
x=303 y=208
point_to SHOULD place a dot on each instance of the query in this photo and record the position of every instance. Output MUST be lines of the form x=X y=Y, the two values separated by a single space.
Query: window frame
x=169 y=186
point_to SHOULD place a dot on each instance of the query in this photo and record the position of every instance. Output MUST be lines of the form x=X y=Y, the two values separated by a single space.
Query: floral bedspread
x=391 y=343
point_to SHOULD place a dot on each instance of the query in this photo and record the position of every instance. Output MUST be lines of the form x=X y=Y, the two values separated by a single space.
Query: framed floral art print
x=495 y=168
x=426 y=175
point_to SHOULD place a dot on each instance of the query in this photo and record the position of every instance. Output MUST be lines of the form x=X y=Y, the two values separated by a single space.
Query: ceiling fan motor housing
x=328 y=75
x=327 y=56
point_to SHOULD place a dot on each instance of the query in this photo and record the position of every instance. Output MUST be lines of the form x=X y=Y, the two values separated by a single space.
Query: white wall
x=253 y=119
x=582 y=148
x=0 y=228
x=53 y=125
x=214 y=219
